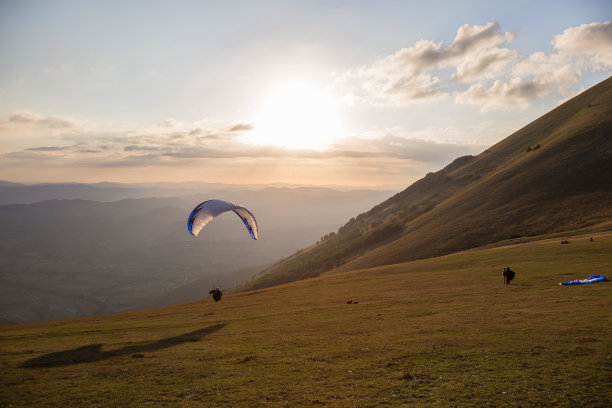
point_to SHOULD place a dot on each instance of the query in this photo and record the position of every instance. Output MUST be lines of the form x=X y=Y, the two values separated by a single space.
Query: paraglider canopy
x=206 y=211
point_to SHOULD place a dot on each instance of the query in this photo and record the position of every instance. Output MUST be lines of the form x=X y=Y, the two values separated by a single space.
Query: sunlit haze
x=297 y=115
x=369 y=93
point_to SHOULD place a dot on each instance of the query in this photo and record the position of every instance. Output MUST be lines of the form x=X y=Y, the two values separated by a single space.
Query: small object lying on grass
x=590 y=279
x=352 y=301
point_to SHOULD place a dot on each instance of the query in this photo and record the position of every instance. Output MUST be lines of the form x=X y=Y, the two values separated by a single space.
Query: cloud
x=132 y=148
x=426 y=54
x=591 y=41
x=93 y=147
x=241 y=127
x=399 y=77
x=26 y=155
x=413 y=73
x=476 y=52
x=488 y=64
x=498 y=95
x=476 y=38
x=478 y=67
x=98 y=150
x=50 y=122
x=48 y=149
x=580 y=49
x=168 y=123
x=87 y=151
x=405 y=148
x=537 y=76
x=550 y=71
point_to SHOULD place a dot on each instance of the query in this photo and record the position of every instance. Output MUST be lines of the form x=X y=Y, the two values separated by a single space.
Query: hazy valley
x=69 y=258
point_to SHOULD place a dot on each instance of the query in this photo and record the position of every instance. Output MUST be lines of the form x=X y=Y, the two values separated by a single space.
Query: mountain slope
x=553 y=175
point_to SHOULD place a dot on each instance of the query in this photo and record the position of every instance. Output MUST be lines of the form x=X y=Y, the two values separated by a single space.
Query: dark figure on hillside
x=508 y=275
x=591 y=239
x=216 y=294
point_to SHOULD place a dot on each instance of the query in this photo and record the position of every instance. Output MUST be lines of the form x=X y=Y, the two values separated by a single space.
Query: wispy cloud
x=48 y=149
x=168 y=123
x=242 y=127
x=93 y=146
x=30 y=118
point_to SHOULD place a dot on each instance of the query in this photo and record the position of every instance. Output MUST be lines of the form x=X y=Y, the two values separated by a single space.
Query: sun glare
x=297 y=116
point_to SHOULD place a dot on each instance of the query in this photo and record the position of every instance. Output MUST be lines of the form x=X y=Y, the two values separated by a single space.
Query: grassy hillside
x=436 y=332
x=553 y=175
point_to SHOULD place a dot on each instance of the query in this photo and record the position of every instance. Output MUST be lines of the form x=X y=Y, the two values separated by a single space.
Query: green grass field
x=436 y=332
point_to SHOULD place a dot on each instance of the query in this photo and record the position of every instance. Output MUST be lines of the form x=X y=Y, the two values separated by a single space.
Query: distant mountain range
x=16 y=193
x=552 y=176
x=75 y=257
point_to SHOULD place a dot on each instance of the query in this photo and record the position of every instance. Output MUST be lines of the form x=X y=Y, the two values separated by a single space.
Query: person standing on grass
x=508 y=275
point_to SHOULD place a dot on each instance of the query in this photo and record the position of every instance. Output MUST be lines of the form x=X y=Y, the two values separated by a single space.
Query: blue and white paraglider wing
x=206 y=211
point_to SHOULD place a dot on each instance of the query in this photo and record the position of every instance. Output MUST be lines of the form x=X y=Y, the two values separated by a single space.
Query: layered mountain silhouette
x=552 y=176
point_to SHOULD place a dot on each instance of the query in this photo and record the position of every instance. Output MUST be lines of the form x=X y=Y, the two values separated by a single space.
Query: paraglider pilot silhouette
x=206 y=211
x=508 y=275
x=216 y=294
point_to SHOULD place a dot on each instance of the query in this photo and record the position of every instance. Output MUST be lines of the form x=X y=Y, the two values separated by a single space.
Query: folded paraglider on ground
x=590 y=279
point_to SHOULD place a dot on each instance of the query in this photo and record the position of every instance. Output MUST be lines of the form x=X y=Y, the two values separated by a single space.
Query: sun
x=297 y=115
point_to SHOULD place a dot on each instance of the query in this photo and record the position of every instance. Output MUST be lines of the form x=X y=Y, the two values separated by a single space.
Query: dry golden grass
x=437 y=332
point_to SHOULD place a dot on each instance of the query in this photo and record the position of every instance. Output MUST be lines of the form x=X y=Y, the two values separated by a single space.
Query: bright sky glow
x=297 y=115
x=367 y=93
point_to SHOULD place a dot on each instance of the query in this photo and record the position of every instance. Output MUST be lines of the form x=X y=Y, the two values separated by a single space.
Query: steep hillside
x=553 y=175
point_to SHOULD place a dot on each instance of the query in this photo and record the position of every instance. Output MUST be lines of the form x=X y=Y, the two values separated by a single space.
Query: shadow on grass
x=92 y=352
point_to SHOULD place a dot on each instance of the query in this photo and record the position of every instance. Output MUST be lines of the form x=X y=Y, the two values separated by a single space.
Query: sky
x=352 y=93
